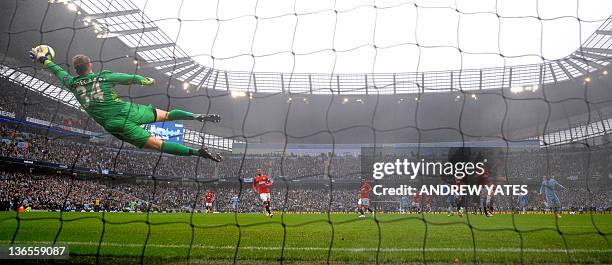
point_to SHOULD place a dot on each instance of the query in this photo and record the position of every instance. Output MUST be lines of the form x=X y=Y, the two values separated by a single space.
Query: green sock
x=177 y=149
x=178 y=114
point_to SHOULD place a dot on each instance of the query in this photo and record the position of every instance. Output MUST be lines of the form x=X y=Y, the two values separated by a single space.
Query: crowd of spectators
x=563 y=163
x=62 y=192
x=53 y=192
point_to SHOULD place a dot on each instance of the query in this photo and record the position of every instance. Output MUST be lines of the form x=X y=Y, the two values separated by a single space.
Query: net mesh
x=151 y=47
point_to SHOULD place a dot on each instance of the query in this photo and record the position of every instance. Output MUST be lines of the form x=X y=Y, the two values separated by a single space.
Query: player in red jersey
x=427 y=207
x=416 y=203
x=210 y=198
x=364 y=202
x=261 y=184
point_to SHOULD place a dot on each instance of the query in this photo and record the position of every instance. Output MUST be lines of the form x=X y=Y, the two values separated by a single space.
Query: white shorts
x=364 y=201
x=414 y=204
x=264 y=196
x=209 y=204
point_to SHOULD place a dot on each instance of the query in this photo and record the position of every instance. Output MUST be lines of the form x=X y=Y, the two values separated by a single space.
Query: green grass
x=308 y=237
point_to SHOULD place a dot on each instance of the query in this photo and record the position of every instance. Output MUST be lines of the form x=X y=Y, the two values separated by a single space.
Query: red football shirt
x=209 y=197
x=261 y=183
x=364 y=192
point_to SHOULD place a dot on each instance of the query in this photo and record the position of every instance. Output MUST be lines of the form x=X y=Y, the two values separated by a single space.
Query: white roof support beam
x=194 y=75
x=597 y=50
x=153 y=47
x=552 y=72
x=577 y=67
x=112 y=14
x=176 y=61
x=603 y=32
x=113 y=34
x=569 y=75
x=595 y=56
x=588 y=61
x=182 y=72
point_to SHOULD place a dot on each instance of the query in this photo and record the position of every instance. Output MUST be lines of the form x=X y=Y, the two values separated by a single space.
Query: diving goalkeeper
x=97 y=95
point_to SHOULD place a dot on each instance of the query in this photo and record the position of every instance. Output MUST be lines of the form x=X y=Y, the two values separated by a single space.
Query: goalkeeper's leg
x=178 y=114
x=128 y=128
x=179 y=149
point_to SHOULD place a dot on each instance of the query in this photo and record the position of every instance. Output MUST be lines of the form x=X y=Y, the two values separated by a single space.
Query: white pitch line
x=258 y=248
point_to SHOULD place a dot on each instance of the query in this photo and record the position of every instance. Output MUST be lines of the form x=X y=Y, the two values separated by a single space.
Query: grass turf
x=529 y=238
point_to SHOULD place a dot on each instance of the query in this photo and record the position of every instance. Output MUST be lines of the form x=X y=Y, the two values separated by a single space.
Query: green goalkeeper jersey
x=96 y=91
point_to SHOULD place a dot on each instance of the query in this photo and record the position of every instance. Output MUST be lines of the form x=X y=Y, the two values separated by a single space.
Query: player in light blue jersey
x=481 y=204
x=234 y=201
x=404 y=204
x=450 y=201
x=548 y=187
x=522 y=201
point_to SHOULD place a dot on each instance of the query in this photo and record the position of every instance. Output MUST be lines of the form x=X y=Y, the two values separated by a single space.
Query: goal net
x=316 y=94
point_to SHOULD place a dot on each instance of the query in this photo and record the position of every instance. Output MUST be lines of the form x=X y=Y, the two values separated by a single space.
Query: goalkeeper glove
x=35 y=56
x=147 y=81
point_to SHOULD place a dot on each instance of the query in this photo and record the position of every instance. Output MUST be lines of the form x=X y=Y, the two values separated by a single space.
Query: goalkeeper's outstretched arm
x=58 y=71
x=128 y=79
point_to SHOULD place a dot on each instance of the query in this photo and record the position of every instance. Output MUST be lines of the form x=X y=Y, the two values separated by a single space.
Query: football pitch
x=317 y=238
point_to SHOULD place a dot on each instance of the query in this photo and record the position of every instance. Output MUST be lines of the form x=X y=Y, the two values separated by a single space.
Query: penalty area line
x=259 y=248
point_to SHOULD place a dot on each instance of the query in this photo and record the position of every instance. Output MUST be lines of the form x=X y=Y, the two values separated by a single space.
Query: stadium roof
x=383 y=36
x=578 y=134
x=124 y=20
x=31 y=82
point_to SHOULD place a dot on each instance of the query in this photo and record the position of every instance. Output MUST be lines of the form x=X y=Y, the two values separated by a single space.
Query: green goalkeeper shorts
x=127 y=124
